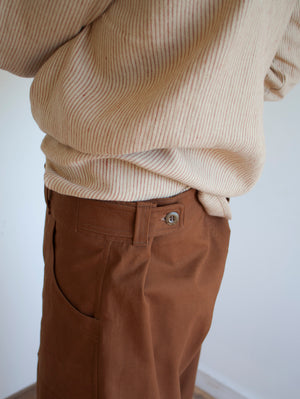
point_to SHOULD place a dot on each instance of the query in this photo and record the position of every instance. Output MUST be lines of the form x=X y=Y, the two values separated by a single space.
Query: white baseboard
x=215 y=388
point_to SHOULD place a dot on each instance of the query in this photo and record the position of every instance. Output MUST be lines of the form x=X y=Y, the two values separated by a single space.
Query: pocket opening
x=68 y=350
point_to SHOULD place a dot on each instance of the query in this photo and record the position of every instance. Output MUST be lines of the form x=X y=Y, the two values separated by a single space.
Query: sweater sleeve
x=31 y=30
x=284 y=72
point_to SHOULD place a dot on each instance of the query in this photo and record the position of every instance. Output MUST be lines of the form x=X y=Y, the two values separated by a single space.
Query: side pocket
x=67 y=356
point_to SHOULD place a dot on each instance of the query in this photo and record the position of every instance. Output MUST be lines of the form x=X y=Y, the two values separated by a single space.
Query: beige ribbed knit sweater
x=142 y=99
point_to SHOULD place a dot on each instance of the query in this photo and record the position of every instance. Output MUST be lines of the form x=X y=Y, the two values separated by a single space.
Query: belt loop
x=142 y=223
x=48 y=198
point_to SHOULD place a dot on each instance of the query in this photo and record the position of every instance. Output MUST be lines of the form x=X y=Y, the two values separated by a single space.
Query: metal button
x=172 y=218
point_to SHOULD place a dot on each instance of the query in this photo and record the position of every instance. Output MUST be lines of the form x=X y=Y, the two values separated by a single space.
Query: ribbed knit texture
x=144 y=99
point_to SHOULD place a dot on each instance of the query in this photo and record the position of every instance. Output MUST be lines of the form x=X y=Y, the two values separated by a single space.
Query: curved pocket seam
x=91 y=331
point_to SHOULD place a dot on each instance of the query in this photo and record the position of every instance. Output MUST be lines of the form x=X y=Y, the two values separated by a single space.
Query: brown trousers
x=128 y=296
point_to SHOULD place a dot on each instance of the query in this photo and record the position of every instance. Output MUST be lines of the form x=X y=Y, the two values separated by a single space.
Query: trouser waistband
x=137 y=221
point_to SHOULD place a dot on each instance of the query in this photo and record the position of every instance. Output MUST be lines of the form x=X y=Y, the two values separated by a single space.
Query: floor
x=199 y=394
x=29 y=393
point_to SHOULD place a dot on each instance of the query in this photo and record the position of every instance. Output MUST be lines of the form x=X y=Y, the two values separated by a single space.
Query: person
x=152 y=114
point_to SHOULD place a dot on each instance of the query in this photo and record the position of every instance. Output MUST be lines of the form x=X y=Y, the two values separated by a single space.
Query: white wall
x=253 y=345
x=21 y=233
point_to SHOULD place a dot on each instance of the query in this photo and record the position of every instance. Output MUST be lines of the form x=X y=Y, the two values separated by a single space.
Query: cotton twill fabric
x=127 y=298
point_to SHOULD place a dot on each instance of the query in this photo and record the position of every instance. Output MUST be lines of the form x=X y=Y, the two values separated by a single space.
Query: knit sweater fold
x=145 y=99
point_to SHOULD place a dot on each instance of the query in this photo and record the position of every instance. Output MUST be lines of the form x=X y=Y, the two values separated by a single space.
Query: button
x=172 y=218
